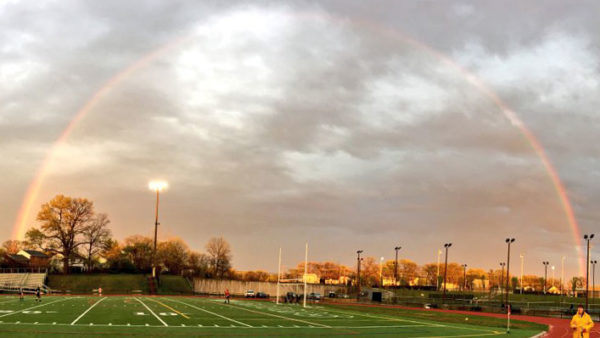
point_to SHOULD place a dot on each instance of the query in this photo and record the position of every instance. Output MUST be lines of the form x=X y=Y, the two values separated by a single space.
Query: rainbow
x=33 y=189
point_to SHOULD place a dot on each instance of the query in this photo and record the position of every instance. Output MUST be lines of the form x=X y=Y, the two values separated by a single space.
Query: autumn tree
x=64 y=219
x=219 y=253
x=12 y=246
x=173 y=255
x=95 y=237
x=139 y=250
x=198 y=263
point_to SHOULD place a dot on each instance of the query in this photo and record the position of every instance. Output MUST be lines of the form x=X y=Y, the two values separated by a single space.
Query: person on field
x=38 y=295
x=21 y=294
x=100 y=291
x=227 y=296
x=581 y=323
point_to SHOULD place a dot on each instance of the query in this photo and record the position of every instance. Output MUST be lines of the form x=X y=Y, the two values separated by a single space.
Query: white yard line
x=88 y=310
x=34 y=307
x=212 y=313
x=152 y=312
x=278 y=316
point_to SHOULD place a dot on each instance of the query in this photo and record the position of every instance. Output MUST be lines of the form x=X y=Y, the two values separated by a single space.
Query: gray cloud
x=276 y=124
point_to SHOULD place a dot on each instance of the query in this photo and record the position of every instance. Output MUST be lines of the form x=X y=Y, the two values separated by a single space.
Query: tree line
x=71 y=231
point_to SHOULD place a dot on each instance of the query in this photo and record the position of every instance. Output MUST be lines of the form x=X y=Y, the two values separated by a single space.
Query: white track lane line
x=34 y=307
x=152 y=312
x=212 y=313
x=88 y=310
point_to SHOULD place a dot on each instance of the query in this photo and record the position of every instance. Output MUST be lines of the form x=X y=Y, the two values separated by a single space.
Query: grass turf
x=193 y=316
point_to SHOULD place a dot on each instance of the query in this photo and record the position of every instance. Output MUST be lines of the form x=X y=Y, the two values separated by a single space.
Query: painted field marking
x=278 y=316
x=212 y=313
x=86 y=311
x=434 y=324
x=152 y=312
x=170 y=308
x=34 y=307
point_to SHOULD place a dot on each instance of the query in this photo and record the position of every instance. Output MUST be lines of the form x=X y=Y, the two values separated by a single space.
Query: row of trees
x=71 y=230
x=410 y=272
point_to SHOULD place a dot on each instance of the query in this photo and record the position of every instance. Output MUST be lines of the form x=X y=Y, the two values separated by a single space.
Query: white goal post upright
x=278 y=276
x=305 y=272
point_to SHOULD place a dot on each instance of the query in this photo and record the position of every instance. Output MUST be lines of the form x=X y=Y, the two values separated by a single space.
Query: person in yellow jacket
x=581 y=324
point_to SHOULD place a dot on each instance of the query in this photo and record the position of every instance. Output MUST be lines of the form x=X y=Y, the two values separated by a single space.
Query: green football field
x=194 y=316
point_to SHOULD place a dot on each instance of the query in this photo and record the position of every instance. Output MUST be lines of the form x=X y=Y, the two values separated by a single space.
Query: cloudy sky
x=347 y=124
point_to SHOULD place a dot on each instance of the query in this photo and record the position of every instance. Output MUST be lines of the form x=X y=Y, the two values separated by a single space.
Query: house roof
x=36 y=253
x=19 y=259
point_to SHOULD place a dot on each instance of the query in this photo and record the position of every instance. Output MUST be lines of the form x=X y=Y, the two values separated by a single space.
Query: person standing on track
x=227 y=296
x=21 y=295
x=581 y=323
x=100 y=291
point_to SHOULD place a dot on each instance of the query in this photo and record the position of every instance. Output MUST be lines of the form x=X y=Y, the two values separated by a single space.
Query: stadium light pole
x=157 y=186
x=545 y=274
x=593 y=277
x=464 y=276
x=521 y=255
x=396 y=266
x=447 y=245
x=509 y=241
x=502 y=264
x=587 y=238
x=358 y=259
x=437 y=278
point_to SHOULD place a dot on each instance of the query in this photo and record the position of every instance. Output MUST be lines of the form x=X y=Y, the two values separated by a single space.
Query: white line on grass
x=212 y=313
x=88 y=310
x=278 y=316
x=152 y=312
x=34 y=307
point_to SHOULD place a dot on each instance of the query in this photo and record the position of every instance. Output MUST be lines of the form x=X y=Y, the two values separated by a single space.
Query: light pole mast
x=157 y=186
x=508 y=241
x=396 y=266
x=358 y=259
x=545 y=274
x=437 y=277
x=587 y=269
x=447 y=245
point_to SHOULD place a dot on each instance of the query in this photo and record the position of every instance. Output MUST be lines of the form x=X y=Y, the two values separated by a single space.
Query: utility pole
x=305 y=272
x=358 y=259
x=278 y=276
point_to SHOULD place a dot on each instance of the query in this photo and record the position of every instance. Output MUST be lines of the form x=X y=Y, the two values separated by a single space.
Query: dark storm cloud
x=307 y=121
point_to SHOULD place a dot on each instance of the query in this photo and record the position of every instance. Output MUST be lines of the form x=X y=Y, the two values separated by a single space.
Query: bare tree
x=219 y=252
x=95 y=235
x=64 y=220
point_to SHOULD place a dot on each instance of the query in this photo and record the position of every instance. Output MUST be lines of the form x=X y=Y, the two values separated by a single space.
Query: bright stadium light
x=158 y=185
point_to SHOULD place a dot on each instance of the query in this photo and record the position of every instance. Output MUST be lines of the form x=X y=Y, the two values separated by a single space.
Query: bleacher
x=29 y=282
